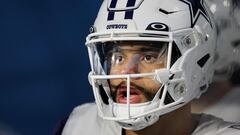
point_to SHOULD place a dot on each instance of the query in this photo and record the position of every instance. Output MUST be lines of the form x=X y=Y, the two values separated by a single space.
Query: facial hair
x=148 y=93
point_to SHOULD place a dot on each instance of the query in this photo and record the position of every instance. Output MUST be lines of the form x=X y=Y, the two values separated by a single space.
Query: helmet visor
x=131 y=58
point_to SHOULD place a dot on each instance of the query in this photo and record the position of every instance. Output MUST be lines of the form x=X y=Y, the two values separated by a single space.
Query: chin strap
x=139 y=123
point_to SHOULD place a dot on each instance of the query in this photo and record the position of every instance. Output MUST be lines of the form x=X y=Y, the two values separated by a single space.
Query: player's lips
x=135 y=95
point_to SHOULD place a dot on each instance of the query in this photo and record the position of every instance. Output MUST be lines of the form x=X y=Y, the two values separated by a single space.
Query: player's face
x=136 y=58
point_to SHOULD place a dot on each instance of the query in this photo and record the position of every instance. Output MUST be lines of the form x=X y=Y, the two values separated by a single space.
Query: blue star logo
x=197 y=8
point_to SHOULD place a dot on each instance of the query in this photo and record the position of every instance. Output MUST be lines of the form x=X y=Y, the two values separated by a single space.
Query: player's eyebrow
x=141 y=49
x=150 y=49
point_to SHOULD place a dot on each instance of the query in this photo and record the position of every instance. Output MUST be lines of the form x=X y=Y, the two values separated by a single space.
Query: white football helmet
x=227 y=17
x=184 y=26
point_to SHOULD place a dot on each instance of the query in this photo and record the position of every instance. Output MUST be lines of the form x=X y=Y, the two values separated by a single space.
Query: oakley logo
x=157 y=27
x=128 y=13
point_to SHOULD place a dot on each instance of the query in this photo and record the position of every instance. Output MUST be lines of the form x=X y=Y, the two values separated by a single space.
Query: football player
x=149 y=59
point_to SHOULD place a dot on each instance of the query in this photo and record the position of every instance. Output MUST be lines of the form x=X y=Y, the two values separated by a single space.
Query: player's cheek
x=150 y=84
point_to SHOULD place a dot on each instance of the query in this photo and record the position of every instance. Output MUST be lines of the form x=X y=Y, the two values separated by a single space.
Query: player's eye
x=149 y=58
x=117 y=58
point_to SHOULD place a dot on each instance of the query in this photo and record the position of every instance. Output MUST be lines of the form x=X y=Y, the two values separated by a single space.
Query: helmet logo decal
x=197 y=8
x=117 y=26
x=167 y=12
x=157 y=27
x=111 y=13
x=128 y=13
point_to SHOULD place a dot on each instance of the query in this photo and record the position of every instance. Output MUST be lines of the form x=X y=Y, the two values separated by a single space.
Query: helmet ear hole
x=203 y=60
x=168 y=99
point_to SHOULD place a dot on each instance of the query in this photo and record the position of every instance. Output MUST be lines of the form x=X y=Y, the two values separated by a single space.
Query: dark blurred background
x=43 y=62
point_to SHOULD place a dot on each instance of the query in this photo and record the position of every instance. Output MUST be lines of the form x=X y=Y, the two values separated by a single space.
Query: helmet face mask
x=142 y=69
x=134 y=58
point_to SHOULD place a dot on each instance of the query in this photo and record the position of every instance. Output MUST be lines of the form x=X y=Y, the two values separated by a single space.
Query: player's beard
x=148 y=93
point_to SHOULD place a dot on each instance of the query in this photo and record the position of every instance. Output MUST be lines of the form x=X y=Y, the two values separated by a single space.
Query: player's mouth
x=135 y=95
